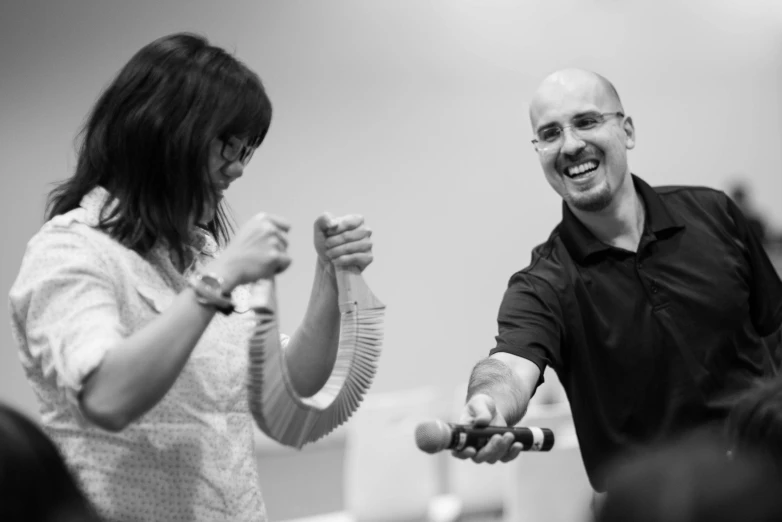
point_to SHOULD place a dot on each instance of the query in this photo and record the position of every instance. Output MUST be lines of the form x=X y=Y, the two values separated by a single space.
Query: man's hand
x=481 y=411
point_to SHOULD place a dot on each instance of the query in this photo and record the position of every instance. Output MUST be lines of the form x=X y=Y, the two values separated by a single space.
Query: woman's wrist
x=228 y=277
x=327 y=267
x=211 y=291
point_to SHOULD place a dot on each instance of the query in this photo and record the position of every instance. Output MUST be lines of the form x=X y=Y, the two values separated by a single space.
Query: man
x=650 y=303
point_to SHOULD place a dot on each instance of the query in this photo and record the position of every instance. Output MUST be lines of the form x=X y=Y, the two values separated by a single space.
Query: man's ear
x=630 y=132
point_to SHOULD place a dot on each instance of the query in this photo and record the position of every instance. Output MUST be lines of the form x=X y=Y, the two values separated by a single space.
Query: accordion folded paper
x=276 y=407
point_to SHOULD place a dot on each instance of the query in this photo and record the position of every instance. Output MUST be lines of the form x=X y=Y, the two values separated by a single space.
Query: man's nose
x=572 y=143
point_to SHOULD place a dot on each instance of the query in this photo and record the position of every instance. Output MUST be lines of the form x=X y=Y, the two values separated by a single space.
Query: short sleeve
x=64 y=309
x=530 y=322
x=765 y=287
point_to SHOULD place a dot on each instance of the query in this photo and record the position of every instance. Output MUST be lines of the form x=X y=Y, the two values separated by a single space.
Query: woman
x=141 y=383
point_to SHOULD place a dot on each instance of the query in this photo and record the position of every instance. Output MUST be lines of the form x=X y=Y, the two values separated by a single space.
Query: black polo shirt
x=652 y=343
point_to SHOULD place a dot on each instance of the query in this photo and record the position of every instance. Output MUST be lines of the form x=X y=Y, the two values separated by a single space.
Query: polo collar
x=581 y=243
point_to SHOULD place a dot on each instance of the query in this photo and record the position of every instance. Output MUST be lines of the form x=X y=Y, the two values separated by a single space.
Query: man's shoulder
x=549 y=260
x=697 y=204
x=686 y=195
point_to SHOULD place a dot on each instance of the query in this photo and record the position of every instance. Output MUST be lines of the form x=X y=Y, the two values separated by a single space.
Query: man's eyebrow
x=586 y=113
x=547 y=126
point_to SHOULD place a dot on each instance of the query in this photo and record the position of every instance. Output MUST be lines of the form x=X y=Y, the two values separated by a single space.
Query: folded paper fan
x=277 y=408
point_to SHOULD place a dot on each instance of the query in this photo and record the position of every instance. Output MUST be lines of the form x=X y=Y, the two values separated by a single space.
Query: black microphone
x=435 y=436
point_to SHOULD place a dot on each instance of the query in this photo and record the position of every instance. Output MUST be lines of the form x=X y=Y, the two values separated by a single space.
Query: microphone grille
x=432 y=436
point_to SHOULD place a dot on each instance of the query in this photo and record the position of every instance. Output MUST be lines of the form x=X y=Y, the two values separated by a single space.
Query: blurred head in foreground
x=35 y=484
x=693 y=480
x=755 y=422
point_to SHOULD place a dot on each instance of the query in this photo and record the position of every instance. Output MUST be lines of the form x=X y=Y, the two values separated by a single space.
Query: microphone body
x=435 y=436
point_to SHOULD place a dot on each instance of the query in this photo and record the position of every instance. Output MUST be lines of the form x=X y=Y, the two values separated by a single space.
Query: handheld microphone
x=435 y=436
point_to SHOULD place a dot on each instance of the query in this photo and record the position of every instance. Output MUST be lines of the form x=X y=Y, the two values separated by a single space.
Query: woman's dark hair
x=35 y=484
x=755 y=420
x=148 y=137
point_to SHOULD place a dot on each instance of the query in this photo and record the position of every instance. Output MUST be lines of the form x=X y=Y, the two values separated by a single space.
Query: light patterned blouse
x=190 y=458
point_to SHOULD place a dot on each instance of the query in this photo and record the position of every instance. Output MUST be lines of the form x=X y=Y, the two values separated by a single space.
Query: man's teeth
x=583 y=168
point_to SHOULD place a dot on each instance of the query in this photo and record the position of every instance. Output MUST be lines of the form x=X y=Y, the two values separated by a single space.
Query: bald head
x=570 y=86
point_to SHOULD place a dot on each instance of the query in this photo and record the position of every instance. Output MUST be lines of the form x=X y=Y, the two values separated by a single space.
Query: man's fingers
x=495 y=449
x=483 y=410
x=513 y=452
x=469 y=412
x=466 y=453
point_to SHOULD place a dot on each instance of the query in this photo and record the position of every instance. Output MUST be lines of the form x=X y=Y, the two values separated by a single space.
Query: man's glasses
x=234 y=150
x=551 y=138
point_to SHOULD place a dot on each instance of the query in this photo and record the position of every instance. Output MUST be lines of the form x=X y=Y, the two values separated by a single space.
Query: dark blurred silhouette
x=693 y=480
x=772 y=243
x=35 y=484
x=754 y=424
x=739 y=193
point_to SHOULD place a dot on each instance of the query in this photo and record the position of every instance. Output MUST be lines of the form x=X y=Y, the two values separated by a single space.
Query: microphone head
x=432 y=436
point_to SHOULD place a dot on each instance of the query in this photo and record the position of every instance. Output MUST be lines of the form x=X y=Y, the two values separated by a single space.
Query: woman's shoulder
x=68 y=231
x=71 y=239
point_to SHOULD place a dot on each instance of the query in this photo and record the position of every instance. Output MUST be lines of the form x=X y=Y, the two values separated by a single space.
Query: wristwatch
x=210 y=291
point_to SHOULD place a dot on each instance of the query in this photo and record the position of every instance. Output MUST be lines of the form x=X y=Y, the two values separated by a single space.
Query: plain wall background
x=414 y=114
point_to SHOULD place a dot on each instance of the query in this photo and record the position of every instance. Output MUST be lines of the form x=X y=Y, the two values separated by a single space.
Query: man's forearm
x=497 y=380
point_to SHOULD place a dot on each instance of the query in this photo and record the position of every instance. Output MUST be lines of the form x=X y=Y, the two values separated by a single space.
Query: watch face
x=211 y=281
